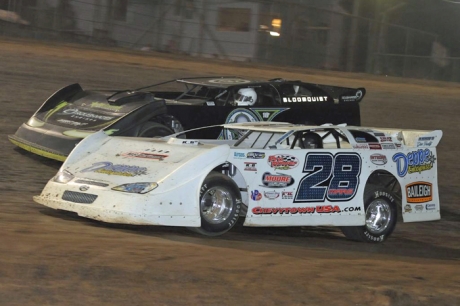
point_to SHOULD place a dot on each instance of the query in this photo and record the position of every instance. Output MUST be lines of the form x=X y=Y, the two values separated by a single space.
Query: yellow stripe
x=58 y=107
x=39 y=151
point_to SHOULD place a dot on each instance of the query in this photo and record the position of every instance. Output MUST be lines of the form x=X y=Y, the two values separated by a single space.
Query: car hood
x=120 y=160
x=91 y=110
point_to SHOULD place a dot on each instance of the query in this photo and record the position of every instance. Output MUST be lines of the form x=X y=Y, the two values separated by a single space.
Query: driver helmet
x=312 y=141
x=246 y=97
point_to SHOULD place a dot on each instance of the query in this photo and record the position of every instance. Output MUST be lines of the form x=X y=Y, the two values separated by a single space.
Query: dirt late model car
x=162 y=109
x=276 y=174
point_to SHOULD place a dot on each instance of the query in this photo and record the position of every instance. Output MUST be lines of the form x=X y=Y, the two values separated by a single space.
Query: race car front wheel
x=220 y=204
x=380 y=219
x=154 y=129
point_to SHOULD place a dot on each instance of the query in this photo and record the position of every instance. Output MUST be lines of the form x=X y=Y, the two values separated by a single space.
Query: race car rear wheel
x=220 y=204
x=154 y=129
x=380 y=219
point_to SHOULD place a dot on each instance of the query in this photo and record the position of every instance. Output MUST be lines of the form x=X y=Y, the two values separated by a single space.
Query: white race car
x=276 y=174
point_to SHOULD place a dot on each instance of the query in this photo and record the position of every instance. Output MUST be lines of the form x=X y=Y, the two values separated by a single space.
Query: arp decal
x=413 y=162
x=277 y=180
x=145 y=155
x=282 y=161
x=378 y=159
x=419 y=192
x=111 y=169
x=333 y=177
x=320 y=209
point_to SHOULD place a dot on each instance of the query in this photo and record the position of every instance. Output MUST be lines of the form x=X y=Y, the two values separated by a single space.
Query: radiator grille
x=79 y=197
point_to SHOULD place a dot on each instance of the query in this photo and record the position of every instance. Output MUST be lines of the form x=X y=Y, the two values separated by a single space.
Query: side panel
x=303 y=187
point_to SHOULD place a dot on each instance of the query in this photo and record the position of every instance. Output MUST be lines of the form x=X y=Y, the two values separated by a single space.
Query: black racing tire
x=154 y=129
x=220 y=204
x=378 y=226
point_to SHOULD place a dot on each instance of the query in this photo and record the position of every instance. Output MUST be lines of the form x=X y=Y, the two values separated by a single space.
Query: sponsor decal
x=267 y=114
x=210 y=103
x=340 y=192
x=357 y=96
x=277 y=180
x=191 y=142
x=379 y=134
x=145 y=155
x=271 y=195
x=388 y=146
x=287 y=195
x=419 y=192
x=419 y=207
x=375 y=146
x=430 y=206
x=414 y=162
x=111 y=169
x=407 y=208
x=101 y=105
x=304 y=99
x=282 y=161
x=255 y=155
x=425 y=141
x=383 y=194
x=361 y=146
x=250 y=166
x=239 y=155
x=84 y=188
x=320 y=209
x=256 y=195
x=385 y=139
x=378 y=159
x=70 y=122
x=360 y=139
x=75 y=113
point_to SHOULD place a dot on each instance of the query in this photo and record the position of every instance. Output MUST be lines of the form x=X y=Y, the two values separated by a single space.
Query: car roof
x=282 y=127
x=223 y=81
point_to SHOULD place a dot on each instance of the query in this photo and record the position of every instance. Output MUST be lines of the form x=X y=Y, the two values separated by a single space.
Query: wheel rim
x=216 y=205
x=378 y=216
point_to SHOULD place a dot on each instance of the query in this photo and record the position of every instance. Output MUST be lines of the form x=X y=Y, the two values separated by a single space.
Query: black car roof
x=222 y=82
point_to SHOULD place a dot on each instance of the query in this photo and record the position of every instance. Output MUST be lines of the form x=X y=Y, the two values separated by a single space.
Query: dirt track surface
x=54 y=258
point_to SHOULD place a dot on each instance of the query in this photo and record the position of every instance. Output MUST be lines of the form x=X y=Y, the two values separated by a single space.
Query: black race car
x=161 y=109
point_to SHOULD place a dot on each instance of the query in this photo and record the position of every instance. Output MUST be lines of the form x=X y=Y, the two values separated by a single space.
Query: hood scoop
x=128 y=96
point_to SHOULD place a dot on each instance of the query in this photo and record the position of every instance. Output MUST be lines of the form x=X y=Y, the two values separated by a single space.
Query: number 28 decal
x=333 y=177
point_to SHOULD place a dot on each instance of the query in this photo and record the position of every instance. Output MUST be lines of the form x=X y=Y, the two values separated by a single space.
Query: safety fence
x=313 y=34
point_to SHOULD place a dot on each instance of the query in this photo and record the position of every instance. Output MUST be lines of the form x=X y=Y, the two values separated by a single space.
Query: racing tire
x=154 y=129
x=220 y=205
x=380 y=208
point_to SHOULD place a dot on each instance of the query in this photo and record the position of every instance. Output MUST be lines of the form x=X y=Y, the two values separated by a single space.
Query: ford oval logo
x=84 y=187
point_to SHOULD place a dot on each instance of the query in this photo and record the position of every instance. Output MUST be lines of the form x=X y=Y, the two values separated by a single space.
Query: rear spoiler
x=343 y=94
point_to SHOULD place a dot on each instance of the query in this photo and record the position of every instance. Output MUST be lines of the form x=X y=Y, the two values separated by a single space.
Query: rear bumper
x=47 y=141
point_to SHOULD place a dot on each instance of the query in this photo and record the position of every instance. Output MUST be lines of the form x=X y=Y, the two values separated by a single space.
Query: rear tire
x=220 y=205
x=154 y=129
x=381 y=216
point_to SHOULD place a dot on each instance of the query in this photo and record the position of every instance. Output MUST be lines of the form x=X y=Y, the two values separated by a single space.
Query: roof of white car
x=281 y=127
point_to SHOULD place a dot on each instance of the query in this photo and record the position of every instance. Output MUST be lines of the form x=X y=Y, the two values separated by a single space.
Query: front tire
x=220 y=204
x=381 y=216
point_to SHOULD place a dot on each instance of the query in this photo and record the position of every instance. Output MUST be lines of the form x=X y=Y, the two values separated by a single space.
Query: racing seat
x=311 y=140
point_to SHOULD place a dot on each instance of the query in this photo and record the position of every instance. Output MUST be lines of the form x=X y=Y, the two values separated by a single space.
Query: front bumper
x=47 y=141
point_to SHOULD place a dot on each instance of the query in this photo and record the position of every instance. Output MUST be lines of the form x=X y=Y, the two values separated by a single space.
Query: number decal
x=333 y=177
x=319 y=167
